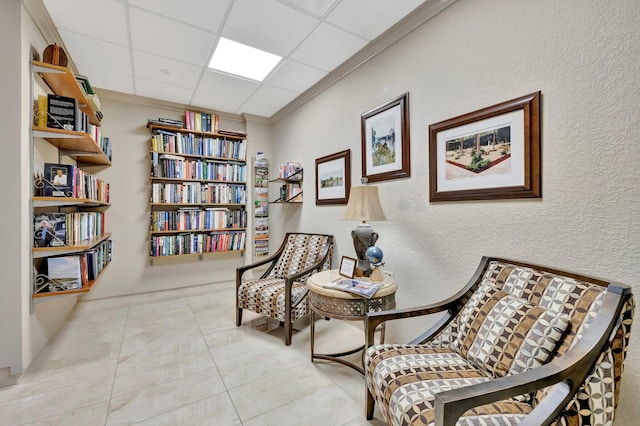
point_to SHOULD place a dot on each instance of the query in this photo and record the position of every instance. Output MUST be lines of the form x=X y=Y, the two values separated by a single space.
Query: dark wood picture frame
x=333 y=178
x=511 y=133
x=392 y=149
x=347 y=266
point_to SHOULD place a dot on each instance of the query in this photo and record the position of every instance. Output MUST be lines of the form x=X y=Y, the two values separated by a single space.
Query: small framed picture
x=347 y=266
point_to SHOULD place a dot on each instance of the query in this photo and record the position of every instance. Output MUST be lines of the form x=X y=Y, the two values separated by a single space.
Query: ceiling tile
x=162 y=91
x=216 y=83
x=383 y=13
x=327 y=47
x=267 y=25
x=163 y=70
x=99 y=54
x=273 y=96
x=89 y=17
x=204 y=14
x=295 y=76
x=164 y=37
x=217 y=102
x=316 y=7
x=107 y=80
x=258 y=109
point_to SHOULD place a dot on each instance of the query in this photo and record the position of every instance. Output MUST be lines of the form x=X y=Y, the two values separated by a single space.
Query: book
x=41 y=111
x=361 y=288
x=50 y=230
x=59 y=180
x=64 y=273
x=61 y=112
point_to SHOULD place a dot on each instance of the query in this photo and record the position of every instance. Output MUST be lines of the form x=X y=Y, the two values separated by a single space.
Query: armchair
x=281 y=292
x=519 y=344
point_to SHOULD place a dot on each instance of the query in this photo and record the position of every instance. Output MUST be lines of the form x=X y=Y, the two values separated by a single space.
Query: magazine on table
x=361 y=288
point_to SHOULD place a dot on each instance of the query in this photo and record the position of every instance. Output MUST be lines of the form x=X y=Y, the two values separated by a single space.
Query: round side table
x=342 y=305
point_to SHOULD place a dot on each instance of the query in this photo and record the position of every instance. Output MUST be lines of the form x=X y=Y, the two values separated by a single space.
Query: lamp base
x=363 y=238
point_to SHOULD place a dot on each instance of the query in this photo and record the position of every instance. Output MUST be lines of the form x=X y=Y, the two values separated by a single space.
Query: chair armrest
x=373 y=319
x=569 y=370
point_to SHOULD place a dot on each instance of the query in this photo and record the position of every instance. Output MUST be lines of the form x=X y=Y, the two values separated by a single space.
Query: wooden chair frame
x=288 y=281
x=565 y=374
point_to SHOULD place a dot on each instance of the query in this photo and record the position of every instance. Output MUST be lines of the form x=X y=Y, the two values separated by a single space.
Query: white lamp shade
x=364 y=204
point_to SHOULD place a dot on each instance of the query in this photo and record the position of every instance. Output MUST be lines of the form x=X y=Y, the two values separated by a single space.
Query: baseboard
x=6 y=379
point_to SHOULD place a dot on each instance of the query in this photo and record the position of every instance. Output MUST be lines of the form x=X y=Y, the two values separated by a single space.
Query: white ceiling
x=160 y=48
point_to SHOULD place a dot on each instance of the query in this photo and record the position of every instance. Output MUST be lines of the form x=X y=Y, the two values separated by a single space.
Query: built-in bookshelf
x=289 y=182
x=71 y=247
x=198 y=189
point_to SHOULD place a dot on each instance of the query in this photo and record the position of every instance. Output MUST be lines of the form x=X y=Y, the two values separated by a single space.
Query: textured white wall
x=585 y=58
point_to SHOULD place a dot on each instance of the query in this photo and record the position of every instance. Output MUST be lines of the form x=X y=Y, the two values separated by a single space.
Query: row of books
x=73 y=272
x=173 y=166
x=191 y=243
x=181 y=143
x=62 y=112
x=201 y=121
x=291 y=192
x=198 y=193
x=66 y=229
x=66 y=180
x=197 y=219
x=290 y=170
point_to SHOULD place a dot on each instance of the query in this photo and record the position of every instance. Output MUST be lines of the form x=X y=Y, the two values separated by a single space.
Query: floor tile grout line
x=115 y=373
x=226 y=389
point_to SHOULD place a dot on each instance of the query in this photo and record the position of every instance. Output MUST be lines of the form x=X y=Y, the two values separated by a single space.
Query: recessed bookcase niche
x=198 y=191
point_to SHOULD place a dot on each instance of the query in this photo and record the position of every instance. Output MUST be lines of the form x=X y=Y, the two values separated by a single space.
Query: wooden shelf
x=199 y=255
x=63 y=83
x=66 y=201
x=196 y=231
x=85 y=289
x=195 y=132
x=84 y=245
x=77 y=145
x=230 y=182
x=202 y=157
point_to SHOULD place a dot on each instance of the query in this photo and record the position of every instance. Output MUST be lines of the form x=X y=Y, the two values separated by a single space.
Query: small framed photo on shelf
x=385 y=141
x=488 y=154
x=347 y=266
x=333 y=178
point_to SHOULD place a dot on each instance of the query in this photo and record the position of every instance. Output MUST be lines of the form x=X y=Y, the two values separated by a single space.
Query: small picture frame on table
x=347 y=266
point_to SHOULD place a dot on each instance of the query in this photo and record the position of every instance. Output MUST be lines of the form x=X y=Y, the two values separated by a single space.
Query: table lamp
x=364 y=205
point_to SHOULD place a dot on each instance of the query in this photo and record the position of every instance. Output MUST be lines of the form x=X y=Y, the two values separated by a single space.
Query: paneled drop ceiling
x=160 y=49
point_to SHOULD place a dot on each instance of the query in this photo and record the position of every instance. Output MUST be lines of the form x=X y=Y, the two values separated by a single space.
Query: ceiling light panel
x=242 y=60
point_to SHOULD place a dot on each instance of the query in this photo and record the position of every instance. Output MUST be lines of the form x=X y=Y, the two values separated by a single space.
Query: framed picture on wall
x=491 y=153
x=385 y=141
x=333 y=178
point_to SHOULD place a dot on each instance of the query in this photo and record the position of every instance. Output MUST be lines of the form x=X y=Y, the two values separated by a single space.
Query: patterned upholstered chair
x=520 y=344
x=280 y=292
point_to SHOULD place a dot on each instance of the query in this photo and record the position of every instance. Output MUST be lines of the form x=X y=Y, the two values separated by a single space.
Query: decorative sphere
x=374 y=254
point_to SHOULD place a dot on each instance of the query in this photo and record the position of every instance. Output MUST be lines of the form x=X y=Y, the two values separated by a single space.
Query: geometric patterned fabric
x=266 y=295
x=505 y=334
x=476 y=346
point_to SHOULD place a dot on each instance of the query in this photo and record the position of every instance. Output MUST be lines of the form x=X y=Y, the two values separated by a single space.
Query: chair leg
x=288 y=331
x=370 y=404
x=238 y=317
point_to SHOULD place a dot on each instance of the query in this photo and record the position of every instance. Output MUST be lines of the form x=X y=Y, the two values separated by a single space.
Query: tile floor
x=176 y=358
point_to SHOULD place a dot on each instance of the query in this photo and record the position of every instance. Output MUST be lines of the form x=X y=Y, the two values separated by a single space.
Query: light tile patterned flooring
x=176 y=358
